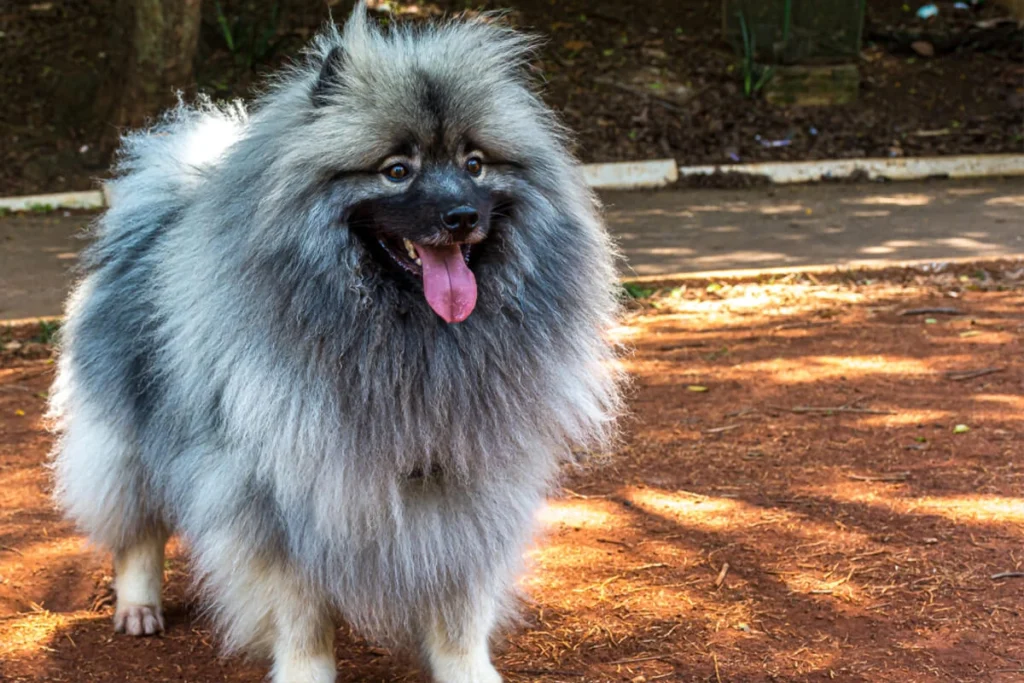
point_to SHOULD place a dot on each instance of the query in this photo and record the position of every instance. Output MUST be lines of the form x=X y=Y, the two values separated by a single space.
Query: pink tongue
x=448 y=283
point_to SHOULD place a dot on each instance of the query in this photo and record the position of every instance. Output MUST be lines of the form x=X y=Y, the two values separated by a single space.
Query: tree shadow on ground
x=730 y=537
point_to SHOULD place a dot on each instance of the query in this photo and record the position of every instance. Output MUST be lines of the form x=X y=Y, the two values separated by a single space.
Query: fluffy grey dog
x=341 y=343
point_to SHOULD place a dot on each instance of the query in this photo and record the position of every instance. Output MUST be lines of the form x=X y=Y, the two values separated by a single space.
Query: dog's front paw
x=138 y=620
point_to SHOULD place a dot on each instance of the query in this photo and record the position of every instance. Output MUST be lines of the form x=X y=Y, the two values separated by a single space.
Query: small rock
x=923 y=48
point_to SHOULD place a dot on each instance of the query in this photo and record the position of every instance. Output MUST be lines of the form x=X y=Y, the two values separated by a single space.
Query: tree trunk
x=161 y=37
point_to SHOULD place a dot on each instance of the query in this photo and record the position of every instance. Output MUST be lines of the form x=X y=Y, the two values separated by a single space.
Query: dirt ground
x=817 y=481
x=634 y=80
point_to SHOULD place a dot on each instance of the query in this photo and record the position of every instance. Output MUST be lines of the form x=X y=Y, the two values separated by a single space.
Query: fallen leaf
x=697 y=388
x=970 y=333
x=961 y=429
x=575 y=45
x=930 y=321
x=19 y=413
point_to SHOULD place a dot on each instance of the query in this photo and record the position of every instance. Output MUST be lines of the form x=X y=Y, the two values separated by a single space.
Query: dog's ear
x=330 y=76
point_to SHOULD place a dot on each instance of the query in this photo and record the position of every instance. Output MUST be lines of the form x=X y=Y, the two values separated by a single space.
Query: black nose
x=463 y=218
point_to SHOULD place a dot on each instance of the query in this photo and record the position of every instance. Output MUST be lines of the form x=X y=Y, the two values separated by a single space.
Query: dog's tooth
x=418 y=261
x=410 y=249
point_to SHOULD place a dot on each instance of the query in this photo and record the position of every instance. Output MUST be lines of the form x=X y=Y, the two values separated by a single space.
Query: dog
x=341 y=341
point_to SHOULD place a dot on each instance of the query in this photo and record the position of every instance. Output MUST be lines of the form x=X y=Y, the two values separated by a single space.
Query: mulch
x=634 y=81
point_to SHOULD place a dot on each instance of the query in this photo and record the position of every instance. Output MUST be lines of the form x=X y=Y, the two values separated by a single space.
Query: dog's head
x=428 y=142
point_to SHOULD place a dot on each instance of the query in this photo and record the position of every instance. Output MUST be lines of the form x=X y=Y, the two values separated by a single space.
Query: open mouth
x=404 y=254
x=449 y=285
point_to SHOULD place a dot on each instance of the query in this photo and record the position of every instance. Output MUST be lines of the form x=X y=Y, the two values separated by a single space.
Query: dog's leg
x=138 y=576
x=456 y=643
x=264 y=606
x=303 y=641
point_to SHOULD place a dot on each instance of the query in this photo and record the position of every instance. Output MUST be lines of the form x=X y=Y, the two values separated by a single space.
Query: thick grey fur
x=235 y=369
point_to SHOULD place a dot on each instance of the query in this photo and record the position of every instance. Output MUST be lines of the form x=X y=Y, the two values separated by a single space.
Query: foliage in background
x=252 y=37
x=755 y=75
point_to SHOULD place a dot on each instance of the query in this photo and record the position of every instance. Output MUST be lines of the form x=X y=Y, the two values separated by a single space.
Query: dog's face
x=427 y=162
x=430 y=218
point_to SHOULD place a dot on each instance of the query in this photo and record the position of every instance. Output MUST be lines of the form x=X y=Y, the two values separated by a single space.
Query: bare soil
x=634 y=80
x=793 y=499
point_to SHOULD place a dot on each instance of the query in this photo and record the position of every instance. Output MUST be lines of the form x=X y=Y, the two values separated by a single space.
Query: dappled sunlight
x=782 y=208
x=968 y=244
x=664 y=251
x=969 y=191
x=906 y=199
x=1015 y=403
x=46 y=551
x=25 y=635
x=826 y=585
x=696 y=510
x=907 y=417
x=976 y=508
x=820 y=368
x=717 y=513
x=738 y=258
x=1016 y=201
x=961 y=509
x=578 y=513
x=965 y=242
x=725 y=231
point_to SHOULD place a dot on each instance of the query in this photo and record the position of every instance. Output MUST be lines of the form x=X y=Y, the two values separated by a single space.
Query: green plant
x=755 y=75
x=635 y=291
x=251 y=41
x=47 y=331
x=225 y=28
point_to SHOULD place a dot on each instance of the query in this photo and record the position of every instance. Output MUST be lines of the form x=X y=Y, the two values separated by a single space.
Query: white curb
x=631 y=175
x=638 y=175
x=47 y=202
x=628 y=175
x=915 y=168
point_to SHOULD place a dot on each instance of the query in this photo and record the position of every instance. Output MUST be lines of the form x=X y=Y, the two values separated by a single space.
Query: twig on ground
x=580 y=496
x=719 y=430
x=971 y=374
x=611 y=542
x=900 y=476
x=837 y=409
x=13 y=550
x=932 y=311
x=637 y=660
x=720 y=579
x=1007 y=575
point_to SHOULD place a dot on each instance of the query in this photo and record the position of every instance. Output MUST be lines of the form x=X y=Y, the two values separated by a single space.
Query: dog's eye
x=474 y=166
x=397 y=172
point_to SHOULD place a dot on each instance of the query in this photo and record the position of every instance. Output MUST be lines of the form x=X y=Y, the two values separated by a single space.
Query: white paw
x=465 y=670
x=138 y=620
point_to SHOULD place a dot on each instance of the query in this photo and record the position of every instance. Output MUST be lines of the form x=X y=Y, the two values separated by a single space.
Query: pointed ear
x=330 y=75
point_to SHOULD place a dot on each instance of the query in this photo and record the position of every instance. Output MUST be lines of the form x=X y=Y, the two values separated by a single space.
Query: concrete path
x=672 y=232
